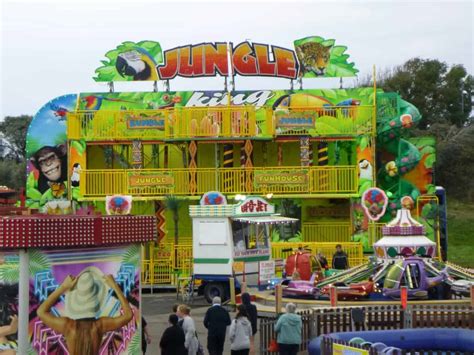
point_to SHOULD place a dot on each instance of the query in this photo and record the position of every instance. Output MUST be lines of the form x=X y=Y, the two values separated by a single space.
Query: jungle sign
x=145 y=60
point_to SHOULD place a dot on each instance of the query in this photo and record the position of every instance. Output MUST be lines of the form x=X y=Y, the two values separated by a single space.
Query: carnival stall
x=59 y=270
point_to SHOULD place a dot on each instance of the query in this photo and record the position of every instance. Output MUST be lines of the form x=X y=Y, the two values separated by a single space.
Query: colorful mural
x=73 y=292
x=46 y=150
x=319 y=57
x=131 y=61
x=9 y=277
x=314 y=57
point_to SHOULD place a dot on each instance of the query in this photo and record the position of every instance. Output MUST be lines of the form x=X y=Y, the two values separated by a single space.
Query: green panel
x=184 y=222
x=175 y=158
x=143 y=208
x=95 y=157
x=206 y=155
x=211 y=261
x=291 y=154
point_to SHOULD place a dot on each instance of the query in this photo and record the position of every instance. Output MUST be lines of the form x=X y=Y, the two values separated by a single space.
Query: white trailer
x=232 y=241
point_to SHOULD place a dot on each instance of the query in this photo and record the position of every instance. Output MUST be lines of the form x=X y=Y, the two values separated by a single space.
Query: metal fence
x=319 y=321
x=165 y=263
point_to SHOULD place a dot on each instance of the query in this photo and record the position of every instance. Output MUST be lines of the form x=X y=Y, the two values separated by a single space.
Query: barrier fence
x=217 y=122
x=320 y=321
x=343 y=179
x=164 y=263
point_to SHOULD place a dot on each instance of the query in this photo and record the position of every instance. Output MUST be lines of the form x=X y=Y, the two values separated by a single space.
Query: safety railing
x=202 y=122
x=176 y=123
x=220 y=122
x=375 y=232
x=164 y=263
x=330 y=180
x=321 y=321
x=353 y=250
x=327 y=232
x=324 y=120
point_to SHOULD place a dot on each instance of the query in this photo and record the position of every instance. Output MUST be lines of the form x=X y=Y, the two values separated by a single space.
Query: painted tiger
x=313 y=57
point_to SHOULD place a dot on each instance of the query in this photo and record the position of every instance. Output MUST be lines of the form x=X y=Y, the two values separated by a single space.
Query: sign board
x=266 y=270
x=296 y=120
x=251 y=252
x=280 y=177
x=145 y=60
x=339 y=349
x=145 y=122
x=153 y=179
x=254 y=206
x=238 y=267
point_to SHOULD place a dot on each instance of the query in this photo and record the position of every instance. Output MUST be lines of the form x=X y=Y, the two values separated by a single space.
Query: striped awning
x=266 y=220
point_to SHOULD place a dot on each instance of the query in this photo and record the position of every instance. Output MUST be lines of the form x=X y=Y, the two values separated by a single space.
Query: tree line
x=442 y=93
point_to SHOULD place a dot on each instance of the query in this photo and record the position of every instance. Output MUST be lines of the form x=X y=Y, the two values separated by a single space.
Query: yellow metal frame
x=341 y=180
x=225 y=122
x=375 y=232
x=165 y=263
x=339 y=232
x=355 y=120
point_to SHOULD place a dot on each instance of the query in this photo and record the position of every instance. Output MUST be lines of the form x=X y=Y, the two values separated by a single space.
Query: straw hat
x=88 y=296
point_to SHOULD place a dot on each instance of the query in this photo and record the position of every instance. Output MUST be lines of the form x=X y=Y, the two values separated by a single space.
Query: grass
x=461 y=233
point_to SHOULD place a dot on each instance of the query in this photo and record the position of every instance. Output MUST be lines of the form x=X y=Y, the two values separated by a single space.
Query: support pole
x=232 y=291
x=23 y=302
x=333 y=296
x=278 y=299
x=472 y=296
x=404 y=297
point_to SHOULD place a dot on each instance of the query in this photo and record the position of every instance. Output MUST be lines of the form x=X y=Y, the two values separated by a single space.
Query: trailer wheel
x=213 y=289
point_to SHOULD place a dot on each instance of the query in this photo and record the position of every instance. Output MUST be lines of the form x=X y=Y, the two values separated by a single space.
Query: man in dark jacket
x=216 y=321
x=172 y=340
x=339 y=259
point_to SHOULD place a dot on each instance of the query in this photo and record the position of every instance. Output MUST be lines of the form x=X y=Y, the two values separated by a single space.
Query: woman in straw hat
x=86 y=296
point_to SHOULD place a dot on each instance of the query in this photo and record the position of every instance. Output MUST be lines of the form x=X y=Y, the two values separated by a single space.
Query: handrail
x=261 y=180
x=219 y=122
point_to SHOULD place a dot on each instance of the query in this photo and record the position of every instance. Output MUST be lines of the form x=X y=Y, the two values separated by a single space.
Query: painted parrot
x=94 y=102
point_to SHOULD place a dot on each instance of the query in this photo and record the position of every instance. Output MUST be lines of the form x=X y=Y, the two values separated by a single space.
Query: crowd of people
x=181 y=338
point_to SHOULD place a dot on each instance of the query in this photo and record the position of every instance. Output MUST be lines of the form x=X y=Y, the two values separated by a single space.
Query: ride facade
x=317 y=154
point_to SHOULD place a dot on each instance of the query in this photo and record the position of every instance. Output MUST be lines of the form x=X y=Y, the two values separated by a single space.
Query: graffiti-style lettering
x=216 y=58
x=243 y=59
x=257 y=98
x=265 y=66
x=209 y=59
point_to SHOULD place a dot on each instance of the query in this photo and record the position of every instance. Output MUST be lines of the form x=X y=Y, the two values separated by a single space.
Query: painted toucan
x=302 y=100
x=137 y=63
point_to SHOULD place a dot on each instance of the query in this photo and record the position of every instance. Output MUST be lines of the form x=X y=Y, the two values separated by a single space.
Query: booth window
x=249 y=236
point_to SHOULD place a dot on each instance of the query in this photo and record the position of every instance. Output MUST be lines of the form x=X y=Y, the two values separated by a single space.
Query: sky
x=52 y=48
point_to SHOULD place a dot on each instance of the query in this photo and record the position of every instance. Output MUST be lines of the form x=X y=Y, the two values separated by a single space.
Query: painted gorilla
x=51 y=163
